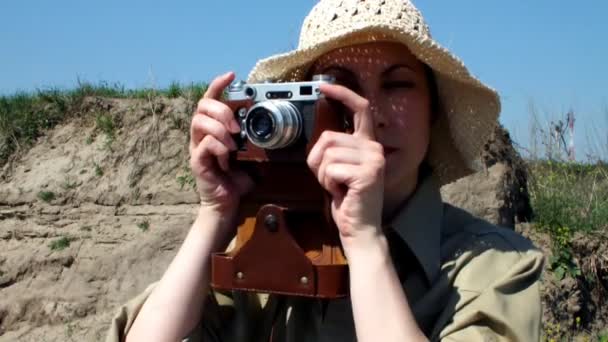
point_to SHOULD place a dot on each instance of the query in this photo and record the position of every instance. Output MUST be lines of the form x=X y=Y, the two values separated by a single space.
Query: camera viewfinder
x=306 y=90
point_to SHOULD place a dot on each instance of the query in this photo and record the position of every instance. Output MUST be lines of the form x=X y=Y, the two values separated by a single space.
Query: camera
x=286 y=240
x=277 y=115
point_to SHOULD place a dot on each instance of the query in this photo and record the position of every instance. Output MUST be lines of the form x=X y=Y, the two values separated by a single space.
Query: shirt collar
x=418 y=223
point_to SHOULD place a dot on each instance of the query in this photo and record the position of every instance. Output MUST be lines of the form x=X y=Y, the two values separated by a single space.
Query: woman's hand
x=351 y=168
x=219 y=187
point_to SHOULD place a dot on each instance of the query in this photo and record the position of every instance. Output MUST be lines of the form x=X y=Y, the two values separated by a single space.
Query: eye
x=398 y=84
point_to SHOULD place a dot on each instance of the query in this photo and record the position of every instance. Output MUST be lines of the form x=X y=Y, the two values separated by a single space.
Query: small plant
x=46 y=196
x=68 y=184
x=98 y=170
x=89 y=140
x=69 y=331
x=561 y=262
x=105 y=124
x=144 y=226
x=174 y=90
x=60 y=244
x=186 y=179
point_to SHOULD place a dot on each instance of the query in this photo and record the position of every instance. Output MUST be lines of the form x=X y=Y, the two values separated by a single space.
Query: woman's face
x=396 y=85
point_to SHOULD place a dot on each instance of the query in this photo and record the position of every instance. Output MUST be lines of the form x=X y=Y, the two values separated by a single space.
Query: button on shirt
x=464 y=278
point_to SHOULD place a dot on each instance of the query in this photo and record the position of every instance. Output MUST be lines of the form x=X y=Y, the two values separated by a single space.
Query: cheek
x=408 y=114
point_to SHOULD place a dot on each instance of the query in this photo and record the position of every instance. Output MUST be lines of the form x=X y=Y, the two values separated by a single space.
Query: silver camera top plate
x=291 y=91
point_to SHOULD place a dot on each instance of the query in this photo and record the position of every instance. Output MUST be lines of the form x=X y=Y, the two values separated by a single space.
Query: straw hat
x=468 y=108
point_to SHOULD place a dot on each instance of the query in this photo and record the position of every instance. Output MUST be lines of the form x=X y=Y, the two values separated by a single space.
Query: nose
x=377 y=115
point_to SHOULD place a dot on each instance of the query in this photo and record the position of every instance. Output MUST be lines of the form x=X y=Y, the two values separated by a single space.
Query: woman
x=419 y=269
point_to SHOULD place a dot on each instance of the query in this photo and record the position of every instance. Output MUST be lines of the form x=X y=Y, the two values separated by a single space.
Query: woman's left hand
x=351 y=168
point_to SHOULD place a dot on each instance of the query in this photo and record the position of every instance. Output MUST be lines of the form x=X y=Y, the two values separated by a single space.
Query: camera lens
x=273 y=124
x=261 y=123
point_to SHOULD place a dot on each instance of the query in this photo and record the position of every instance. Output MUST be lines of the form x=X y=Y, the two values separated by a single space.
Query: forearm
x=380 y=309
x=176 y=304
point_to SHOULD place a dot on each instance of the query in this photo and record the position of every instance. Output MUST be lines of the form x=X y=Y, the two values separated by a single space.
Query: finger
x=338 y=176
x=217 y=86
x=329 y=139
x=339 y=155
x=326 y=140
x=209 y=151
x=220 y=112
x=205 y=125
x=331 y=157
x=362 y=120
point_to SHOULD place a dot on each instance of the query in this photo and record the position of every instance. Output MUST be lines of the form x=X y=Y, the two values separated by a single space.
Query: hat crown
x=333 y=17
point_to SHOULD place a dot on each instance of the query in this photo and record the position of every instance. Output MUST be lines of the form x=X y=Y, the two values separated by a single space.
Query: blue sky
x=548 y=53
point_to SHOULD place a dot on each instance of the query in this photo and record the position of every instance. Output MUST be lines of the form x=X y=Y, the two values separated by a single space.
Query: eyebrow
x=384 y=73
x=338 y=68
x=395 y=67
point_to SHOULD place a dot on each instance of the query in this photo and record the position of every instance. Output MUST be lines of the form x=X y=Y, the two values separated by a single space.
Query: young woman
x=420 y=269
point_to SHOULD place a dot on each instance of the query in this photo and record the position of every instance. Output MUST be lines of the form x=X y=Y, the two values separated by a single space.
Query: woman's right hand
x=219 y=186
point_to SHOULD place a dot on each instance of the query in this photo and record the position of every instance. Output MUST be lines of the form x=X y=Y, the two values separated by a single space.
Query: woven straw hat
x=468 y=108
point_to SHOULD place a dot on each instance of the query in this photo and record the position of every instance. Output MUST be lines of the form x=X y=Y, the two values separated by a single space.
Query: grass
x=68 y=184
x=59 y=244
x=24 y=116
x=46 y=196
x=105 y=123
x=567 y=194
x=567 y=197
x=187 y=178
x=98 y=170
x=144 y=226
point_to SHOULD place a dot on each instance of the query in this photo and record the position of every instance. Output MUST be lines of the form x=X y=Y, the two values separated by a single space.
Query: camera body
x=281 y=121
x=286 y=240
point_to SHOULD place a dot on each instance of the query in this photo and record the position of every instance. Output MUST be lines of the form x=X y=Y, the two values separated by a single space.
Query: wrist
x=369 y=248
x=216 y=227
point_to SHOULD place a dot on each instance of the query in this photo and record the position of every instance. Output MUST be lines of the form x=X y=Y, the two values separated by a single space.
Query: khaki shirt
x=465 y=280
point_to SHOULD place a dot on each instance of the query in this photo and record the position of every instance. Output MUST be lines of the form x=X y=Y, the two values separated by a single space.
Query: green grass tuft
x=144 y=226
x=46 y=196
x=98 y=170
x=174 y=90
x=59 y=244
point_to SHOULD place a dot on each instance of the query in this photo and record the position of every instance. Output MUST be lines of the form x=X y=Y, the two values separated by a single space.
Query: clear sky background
x=552 y=54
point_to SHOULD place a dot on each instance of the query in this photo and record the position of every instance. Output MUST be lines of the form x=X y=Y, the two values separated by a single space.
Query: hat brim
x=469 y=108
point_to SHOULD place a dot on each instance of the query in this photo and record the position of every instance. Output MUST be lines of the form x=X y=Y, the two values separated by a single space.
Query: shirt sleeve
x=215 y=325
x=496 y=295
x=125 y=316
x=227 y=316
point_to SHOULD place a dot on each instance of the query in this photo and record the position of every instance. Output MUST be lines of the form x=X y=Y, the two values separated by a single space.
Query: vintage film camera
x=286 y=241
